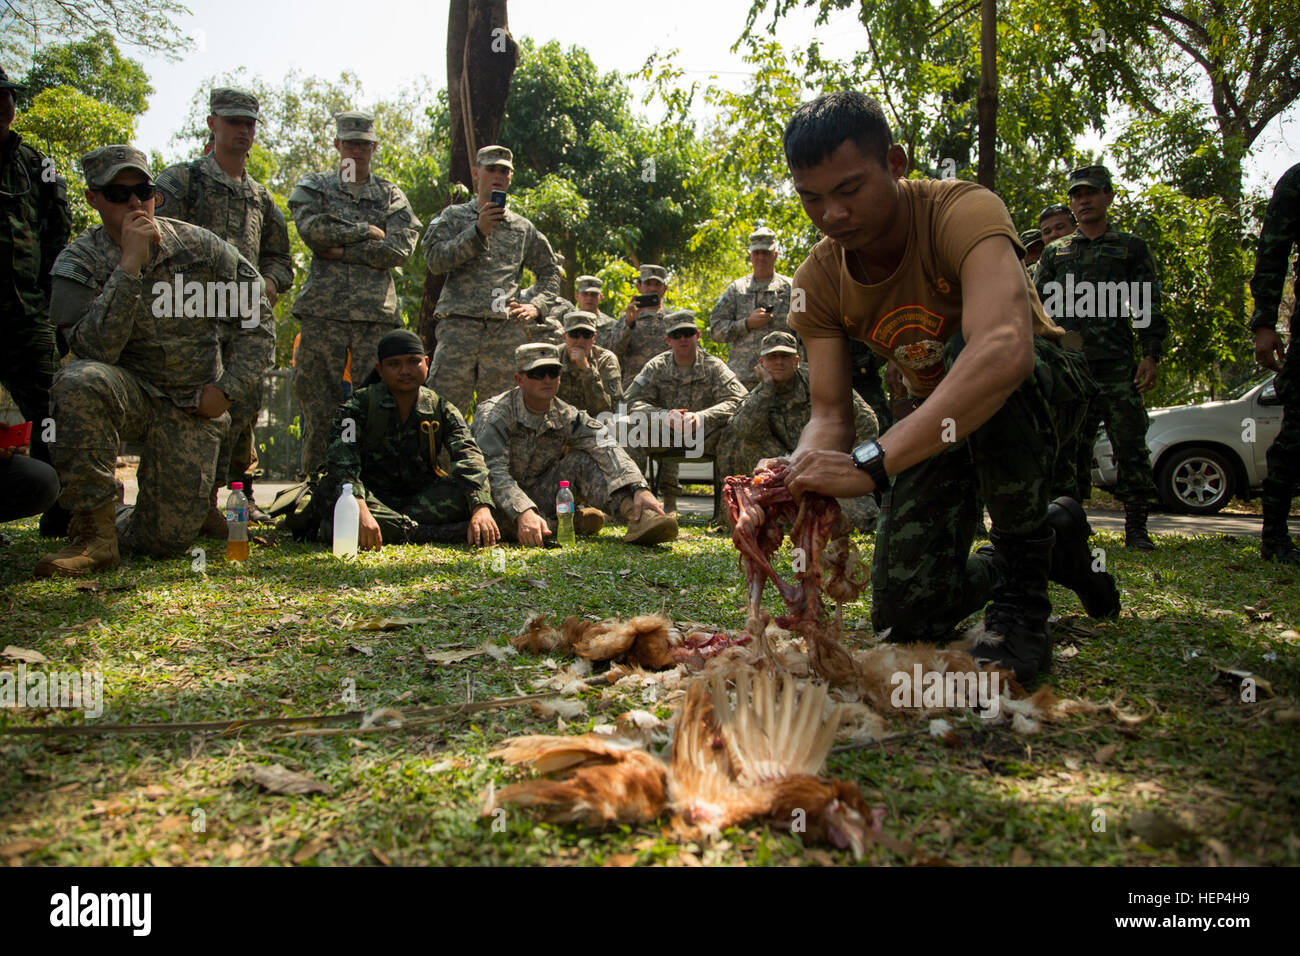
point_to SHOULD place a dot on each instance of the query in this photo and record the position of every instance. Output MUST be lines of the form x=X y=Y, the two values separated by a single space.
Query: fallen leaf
x=277 y=779
x=362 y=649
x=1288 y=716
x=1157 y=829
x=236 y=851
x=381 y=856
x=1102 y=754
x=622 y=859
x=1237 y=677
x=26 y=655
x=20 y=846
x=308 y=851
x=488 y=583
x=1021 y=857
x=558 y=707
x=386 y=623
x=1289 y=635
x=1066 y=652
x=451 y=657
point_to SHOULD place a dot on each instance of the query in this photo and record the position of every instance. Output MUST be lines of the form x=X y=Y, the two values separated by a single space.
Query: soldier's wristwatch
x=870 y=457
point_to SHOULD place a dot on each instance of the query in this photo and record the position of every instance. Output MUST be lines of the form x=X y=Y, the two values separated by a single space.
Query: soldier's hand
x=758 y=318
x=333 y=252
x=212 y=402
x=578 y=357
x=771 y=464
x=530 y=529
x=139 y=235
x=1145 y=378
x=377 y=233
x=763 y=374
x=1268 y=349
x=483 y=530
x=629 y=314
x=489 y=215
x=268 y=286
x=522 y=312
x=643 y=501
x=828 y=472
x=369 y=537
x=11 y=451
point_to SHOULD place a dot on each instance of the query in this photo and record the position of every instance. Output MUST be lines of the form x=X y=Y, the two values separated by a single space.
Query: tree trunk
x=481 y=59
x=988 y=95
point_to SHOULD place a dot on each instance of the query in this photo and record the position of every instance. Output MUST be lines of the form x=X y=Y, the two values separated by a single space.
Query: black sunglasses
x=117 y=193
x=546 y=371
x=580 y=333
x=682 y=333
x=1059 y=209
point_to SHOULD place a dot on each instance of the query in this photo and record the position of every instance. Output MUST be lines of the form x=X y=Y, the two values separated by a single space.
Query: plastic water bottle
x=564 y=516
x=237 y=523
x=347 y=524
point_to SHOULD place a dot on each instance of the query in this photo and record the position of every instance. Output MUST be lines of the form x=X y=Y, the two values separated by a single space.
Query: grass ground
x=1205 y=779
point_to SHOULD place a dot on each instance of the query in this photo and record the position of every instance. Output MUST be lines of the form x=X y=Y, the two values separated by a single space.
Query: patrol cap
x=1055 y=209
x=681 y=320
x=1098 y=177
x=762 y=238
x=226 y=101
x=8 y=84
x=534 y=355
x=578 y=319
x=400 y=342
x=101 y=165
x=654 y=272
x=588 y=284
x=496 y=156
x=1031 y=236
x=356 y=125
x=779 y=342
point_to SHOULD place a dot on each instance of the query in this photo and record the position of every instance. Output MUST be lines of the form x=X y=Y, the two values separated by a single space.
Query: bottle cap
x=564 y=484
x=236 y=486
x=346 y=490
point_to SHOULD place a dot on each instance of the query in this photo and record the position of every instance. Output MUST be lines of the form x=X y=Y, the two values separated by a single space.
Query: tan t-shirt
x=911 y=314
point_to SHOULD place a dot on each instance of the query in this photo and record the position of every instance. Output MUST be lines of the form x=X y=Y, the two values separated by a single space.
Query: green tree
x=27 y=25
x=94 y=66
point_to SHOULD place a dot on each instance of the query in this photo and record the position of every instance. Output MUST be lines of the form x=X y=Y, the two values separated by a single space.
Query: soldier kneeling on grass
x=386 y=442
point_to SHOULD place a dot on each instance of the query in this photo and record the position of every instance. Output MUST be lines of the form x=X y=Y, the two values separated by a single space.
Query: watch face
x=865 y=454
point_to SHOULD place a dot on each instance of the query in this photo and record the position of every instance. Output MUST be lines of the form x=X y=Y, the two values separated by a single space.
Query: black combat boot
x=1015 y=622
x=1072 y=561
x=1135 y=526
x=1274 y=540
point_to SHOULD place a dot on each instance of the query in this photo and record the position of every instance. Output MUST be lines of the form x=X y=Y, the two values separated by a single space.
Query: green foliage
x=143 y=24
x=64 y=123
x=93 y=66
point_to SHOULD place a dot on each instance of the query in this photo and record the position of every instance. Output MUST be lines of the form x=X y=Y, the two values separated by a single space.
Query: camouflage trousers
x=737 y=456
x=27 y=365
x=1119 y=405
x=924 y=578
x=322 y=356
x=238 y=455
x=476 y=357
x=1283 y=456
x=97 y=406
x=588 y=483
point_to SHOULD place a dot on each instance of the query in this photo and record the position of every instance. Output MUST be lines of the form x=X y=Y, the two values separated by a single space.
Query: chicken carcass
x=761 y=509
x=756 y=759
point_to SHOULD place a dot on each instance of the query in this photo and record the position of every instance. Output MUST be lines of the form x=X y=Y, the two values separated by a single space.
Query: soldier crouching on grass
x=386 y=443
x=533 y=441
x=927 y=272
x=148 y=366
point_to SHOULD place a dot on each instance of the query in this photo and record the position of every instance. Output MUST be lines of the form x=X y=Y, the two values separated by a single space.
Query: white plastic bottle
x=564 y=516
x=347 y=524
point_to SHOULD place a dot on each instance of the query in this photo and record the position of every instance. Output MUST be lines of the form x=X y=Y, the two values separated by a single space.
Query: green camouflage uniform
x=1076 y=263
x=34 y=228
x=595 y=389
x=636 y=346
x=708 y=388
x=243 y=213
x=1281 y=230
x=346 y=304
x=727 y=321
x=551 y=326
x=138 y=374
x=605 y=326
x=390 y=464
x=768 y=425
x=528 y=455
x=476 y=337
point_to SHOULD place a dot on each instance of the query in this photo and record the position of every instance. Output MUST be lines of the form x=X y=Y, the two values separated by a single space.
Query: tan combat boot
x=92 y=546
x=588 y=521
x=670 y=501
x=650 y=528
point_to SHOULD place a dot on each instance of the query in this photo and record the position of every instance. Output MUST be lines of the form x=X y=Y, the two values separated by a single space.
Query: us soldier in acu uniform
x=386 y=443
x=772 y=417
x=217 y=193
x=1083 y=273
x=533 y=441
x=358 y=228
x=147 y=367
x=639 y=335
x=751 y=307
x=589 y=295
x=590 y=380
x=34 y=228
x=1281 y=231
x=483 y=248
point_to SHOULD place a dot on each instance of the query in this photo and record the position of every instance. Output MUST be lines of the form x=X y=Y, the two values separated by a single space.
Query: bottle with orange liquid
x=237 y=523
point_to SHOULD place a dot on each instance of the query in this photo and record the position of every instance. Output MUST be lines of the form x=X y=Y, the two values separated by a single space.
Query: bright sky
x=393 y=41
